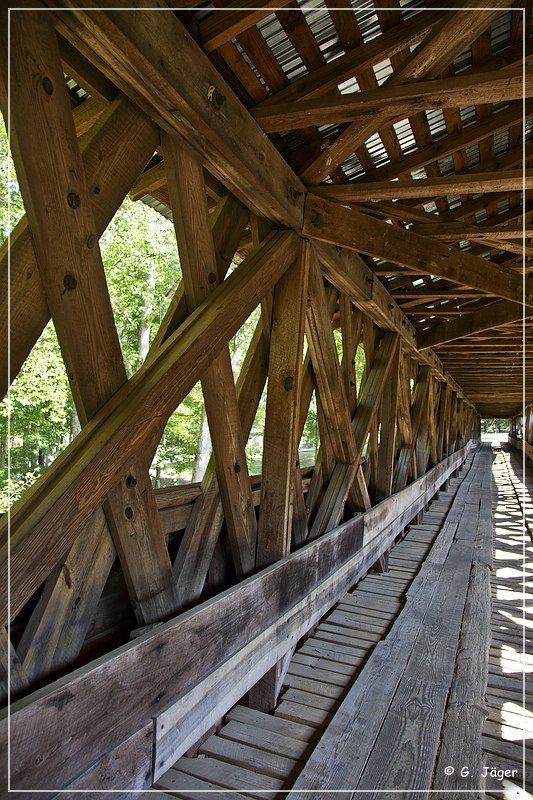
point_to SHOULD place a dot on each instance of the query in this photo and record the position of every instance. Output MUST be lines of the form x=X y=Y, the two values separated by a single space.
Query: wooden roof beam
x=328 y=77
x=450 y=144
x=456 y=230
x=336 y=224
x=402 y=100
x=494 y=316
x=441 y=46
x=512 y=181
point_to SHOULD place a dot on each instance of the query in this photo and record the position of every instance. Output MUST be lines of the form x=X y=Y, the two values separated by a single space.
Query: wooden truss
x=311 y=258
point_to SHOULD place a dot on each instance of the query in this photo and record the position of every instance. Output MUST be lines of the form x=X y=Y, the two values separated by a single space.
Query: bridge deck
x=389 y=690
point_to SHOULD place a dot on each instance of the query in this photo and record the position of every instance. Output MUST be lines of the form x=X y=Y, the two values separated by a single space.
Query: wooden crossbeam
x=49 y=512
x=333 y=223
x=456 y=230
x=332 y=74
x=493 y=316
x=202 y=109
x=405 y=99
x=457 y=32
x=511 y=181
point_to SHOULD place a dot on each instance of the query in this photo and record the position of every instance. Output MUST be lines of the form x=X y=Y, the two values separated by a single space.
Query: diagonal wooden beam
x=200 y=276
x=327 y=370
x=387 y=435
x=332 y=506
x=345 y=227
x=347 y=271
x=452 y=37
x=451 y=143
x=280 y=449
x=280 y=443
x=417 y=414
x=493 y=316
x=188 y=96
x=405 y=99
x=328 y=77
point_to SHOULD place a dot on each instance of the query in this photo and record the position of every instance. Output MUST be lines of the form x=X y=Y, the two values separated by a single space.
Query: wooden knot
x=288 y=383
x=48 y=86
x=73 y=200
x=70 y=283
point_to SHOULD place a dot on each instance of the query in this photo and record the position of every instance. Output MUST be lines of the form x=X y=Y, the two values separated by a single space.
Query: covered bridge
x=359 y=171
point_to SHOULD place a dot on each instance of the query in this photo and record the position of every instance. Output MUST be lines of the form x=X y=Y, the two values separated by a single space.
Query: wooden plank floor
x=508 y=731
x=255 y=751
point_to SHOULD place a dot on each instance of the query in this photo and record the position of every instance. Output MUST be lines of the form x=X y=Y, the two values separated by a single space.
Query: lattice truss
x=294 y=140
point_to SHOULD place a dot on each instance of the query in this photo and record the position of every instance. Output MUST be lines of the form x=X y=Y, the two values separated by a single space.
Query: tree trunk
x=203 y=450
x=75 y=426
x=143 y=330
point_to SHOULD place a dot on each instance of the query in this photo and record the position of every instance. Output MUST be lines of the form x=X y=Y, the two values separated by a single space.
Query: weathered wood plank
x=345 y=748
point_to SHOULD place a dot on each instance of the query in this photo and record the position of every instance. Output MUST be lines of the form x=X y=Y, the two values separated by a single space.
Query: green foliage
x=494 y=425
x=41 y=414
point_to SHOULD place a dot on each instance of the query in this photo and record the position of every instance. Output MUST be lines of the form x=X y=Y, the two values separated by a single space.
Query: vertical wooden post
x=280 y=444
x=387 y=436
